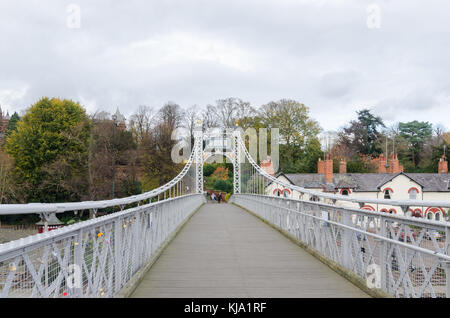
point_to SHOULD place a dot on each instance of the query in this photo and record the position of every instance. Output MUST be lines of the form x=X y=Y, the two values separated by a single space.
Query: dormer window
x=413 y=193
x=345 y=192
x=387 y=194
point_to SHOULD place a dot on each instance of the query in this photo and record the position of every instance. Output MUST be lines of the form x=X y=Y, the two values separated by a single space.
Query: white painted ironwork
x=403 y=256
x=95 y=258
x=236 y=162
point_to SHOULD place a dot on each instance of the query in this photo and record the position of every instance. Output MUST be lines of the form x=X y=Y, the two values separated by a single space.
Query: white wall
x=400 y=186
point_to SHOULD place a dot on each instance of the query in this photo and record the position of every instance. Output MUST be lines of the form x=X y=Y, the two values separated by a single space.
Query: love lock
x=12 y=267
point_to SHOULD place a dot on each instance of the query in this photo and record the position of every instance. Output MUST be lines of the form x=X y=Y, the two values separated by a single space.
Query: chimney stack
x=443 y=165
x=320 y=167
x=382 y=164
x=328 y=169
x=267 y=166
x=394 y=166
x=343 y=166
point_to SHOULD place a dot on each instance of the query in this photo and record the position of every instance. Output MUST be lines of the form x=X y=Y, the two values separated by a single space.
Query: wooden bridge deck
x=224 y=251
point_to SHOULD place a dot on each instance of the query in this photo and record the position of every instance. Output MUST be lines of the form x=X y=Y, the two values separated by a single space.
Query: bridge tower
x=198 y=157
x=236 y=161
x=201 y=154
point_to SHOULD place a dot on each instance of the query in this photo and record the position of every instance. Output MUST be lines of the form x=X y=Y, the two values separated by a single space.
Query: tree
x=209 y=118
x=298 y=134
x=141 y=122
x=156 y=168
x=208 y=169
x=12 y=124
x=221 y=173
x=362 y=136
x=313 y=152
x=292 y=118
x=53 y=132
x=416 y=133
x=6 y=166
x=113 y=165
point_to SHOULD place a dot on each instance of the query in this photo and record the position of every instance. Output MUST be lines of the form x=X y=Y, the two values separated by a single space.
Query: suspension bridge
x=170 y=242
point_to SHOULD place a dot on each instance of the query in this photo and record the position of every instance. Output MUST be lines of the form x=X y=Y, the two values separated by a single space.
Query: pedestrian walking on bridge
x=219 y=197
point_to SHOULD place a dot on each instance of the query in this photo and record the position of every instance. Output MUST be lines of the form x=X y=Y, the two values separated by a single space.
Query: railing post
x=346 y=241
x=78 y=263
x=118 y=254
x=383 y=257
x=447 y=264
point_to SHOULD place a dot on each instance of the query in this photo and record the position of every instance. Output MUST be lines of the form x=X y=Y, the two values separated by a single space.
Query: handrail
x=29 y=208
x=339 y=197
x=374 y=235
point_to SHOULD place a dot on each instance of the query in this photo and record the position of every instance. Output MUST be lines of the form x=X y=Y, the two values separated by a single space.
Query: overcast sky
x=322 y=53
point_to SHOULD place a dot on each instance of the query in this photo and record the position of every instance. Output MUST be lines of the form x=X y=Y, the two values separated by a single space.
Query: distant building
x=120 y=120
x=389 y=183
x=4 y=120
x=53 y=223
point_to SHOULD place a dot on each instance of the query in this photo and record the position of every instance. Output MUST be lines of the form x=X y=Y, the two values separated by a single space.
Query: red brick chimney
x=343 y=166
x=328 y=169
x=267 y=166
x=381 y=164
x=394 y=166
x=443 y=165
x=320 y=167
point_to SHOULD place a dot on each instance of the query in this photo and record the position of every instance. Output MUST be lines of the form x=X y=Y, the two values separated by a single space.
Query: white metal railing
x=93 y=258
x=402 y=256
x=404 y=204
x=176 y=186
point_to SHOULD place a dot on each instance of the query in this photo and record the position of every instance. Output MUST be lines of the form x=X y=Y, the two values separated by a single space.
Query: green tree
x=208 y=169
x=299 y=145
x=12 y=124
x=416 y=133
x=292 y=118
x=49 y=149
x=363 y=135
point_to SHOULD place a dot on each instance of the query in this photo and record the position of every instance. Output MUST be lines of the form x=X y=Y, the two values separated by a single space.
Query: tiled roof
x=368 y=182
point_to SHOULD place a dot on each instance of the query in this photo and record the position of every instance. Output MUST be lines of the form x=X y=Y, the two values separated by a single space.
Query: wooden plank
x=224 y=251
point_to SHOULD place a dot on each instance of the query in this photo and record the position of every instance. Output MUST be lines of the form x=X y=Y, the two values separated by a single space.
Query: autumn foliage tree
x=49 y=149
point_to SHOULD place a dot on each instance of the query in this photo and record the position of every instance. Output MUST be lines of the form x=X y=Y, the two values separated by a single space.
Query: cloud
x=139 y=52
x=338 y=84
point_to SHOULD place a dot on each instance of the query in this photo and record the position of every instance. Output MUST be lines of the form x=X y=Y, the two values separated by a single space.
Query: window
x=437 y=216
x=413 y=194
x=430 y=216
x=277 y=192
x=387 y=195
x=345 y=192
x=285 y=194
